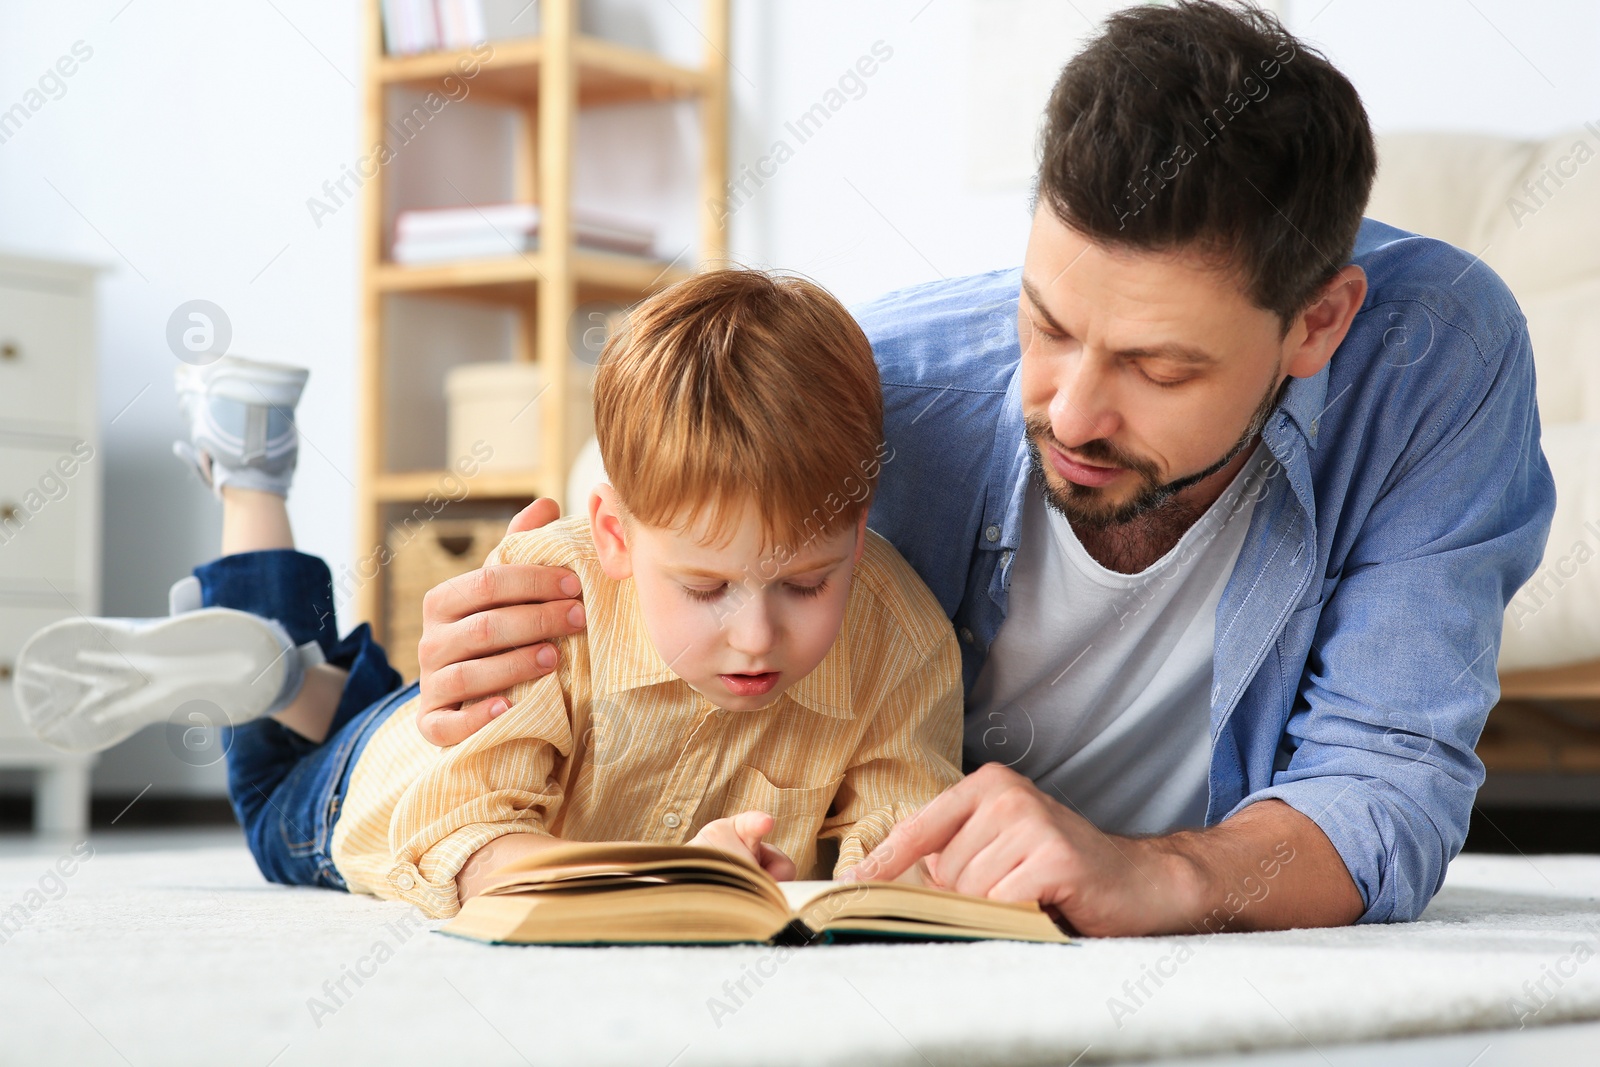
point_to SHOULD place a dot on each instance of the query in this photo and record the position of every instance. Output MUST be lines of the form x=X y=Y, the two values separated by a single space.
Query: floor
x=1546 y=1045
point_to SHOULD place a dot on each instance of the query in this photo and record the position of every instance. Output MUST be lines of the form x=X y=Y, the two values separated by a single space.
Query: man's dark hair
x=1210 y=126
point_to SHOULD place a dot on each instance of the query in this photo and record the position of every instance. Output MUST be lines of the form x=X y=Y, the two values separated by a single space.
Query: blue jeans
x=286 y=790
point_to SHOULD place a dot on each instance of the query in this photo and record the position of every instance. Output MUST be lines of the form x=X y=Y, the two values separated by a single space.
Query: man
x=1225 y=492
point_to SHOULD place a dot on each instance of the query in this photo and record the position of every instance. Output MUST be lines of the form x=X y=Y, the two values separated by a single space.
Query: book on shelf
x=437 y=235
x=609 y=893
x=451 y=250
x=461 y=23
x=413 y=26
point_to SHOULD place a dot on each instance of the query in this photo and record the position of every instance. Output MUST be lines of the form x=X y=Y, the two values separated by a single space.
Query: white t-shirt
x=1098 y=684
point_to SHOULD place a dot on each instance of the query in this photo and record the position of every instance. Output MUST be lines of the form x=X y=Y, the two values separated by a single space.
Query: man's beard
x=1086 y=506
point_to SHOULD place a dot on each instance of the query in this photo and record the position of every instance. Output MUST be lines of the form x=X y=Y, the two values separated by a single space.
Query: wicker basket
x=419 y=560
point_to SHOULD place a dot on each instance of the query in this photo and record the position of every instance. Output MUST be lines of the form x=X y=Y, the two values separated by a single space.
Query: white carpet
x=189 y=957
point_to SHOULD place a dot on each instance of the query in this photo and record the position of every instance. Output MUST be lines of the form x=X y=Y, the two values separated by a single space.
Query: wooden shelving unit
x=545 y=81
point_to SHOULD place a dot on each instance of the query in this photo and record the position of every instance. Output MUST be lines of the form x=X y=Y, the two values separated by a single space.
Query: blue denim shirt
x=1357 y=637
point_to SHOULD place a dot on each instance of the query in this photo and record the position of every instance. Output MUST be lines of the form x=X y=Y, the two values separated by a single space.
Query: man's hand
x=487 y=630
x=740 y=837
x=994 y=834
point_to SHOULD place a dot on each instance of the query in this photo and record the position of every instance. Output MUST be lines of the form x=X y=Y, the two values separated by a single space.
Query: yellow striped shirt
x=612 y=746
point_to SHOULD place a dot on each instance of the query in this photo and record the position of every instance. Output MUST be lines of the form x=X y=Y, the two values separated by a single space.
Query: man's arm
x=1400 y=673
x=1269 y=867
x=995 y=834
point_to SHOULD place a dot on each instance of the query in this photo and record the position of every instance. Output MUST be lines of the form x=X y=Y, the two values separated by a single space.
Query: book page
x=799 y=893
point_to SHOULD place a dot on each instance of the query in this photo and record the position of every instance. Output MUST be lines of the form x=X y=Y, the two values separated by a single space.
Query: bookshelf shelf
x=406 y=486
x=544 y=81
x=515 y=279
x=606 y=73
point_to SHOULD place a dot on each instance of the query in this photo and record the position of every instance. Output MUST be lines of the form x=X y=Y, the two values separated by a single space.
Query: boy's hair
x=740 y=385
x=1210 y=125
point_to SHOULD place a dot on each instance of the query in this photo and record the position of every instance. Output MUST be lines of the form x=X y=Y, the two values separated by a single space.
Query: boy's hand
x=485 y=631
x=741 y=836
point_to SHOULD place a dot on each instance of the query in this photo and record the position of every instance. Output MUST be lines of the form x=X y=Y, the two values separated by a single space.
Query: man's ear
x=1326 y=322
x=610 y=538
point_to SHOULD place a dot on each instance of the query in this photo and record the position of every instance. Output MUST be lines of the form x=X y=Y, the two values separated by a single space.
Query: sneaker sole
x=82 y=685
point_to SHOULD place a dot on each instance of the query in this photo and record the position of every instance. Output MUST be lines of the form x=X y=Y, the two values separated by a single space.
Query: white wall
x=182 y=153
x=891 y=192
x=1506 y=67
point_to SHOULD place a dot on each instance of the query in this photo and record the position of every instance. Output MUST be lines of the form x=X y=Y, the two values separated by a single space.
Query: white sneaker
x=240 y=414
x=84 y=684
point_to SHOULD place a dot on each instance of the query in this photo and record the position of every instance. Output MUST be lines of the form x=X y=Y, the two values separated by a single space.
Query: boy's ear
x=610 y=540
x=861 y=537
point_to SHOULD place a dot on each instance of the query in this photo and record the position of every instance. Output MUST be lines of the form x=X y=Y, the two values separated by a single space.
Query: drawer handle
x=10 y=350
x=8 y=512
x=5 y=672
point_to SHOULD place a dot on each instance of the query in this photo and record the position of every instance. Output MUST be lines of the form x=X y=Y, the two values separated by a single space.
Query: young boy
x=758 y=671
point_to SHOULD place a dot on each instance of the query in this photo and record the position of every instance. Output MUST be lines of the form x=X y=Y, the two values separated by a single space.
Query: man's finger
x=463 y=682
x=541 y=512
x=980 y=855
x=1012 y=809
x=450 y=726
x=498 y=586
x=1030 y=882
x=496 y=630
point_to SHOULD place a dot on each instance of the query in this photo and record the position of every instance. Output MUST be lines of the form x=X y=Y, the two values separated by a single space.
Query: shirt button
x=405 y=881
x=671 y=820
x=966 y=635
x=992 y=533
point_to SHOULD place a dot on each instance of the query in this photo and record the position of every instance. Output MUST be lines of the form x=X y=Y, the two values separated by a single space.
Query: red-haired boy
x=759 y=671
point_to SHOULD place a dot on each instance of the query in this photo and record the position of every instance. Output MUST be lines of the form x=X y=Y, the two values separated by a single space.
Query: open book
x=606 y=893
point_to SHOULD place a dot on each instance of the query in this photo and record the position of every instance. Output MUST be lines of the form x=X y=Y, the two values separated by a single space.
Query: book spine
x=491 y=247
x=392 y=43
x=449 y=222
x=427 y=25
x=402 y=36
x=472 y=15
x=456 y=18
x=413 y=26
x=406 y=18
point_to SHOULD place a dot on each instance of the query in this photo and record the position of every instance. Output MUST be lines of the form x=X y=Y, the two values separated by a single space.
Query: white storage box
x=495 y=405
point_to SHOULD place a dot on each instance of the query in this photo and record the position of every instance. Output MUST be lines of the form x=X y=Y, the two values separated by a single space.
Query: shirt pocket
x=797 y=814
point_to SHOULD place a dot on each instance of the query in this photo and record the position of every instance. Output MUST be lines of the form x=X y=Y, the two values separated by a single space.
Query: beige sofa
x=1531 y=211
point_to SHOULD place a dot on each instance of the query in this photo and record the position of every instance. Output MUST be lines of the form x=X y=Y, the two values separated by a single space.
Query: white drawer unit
x=50 y=471
x=43 y=333
x=41 y=493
